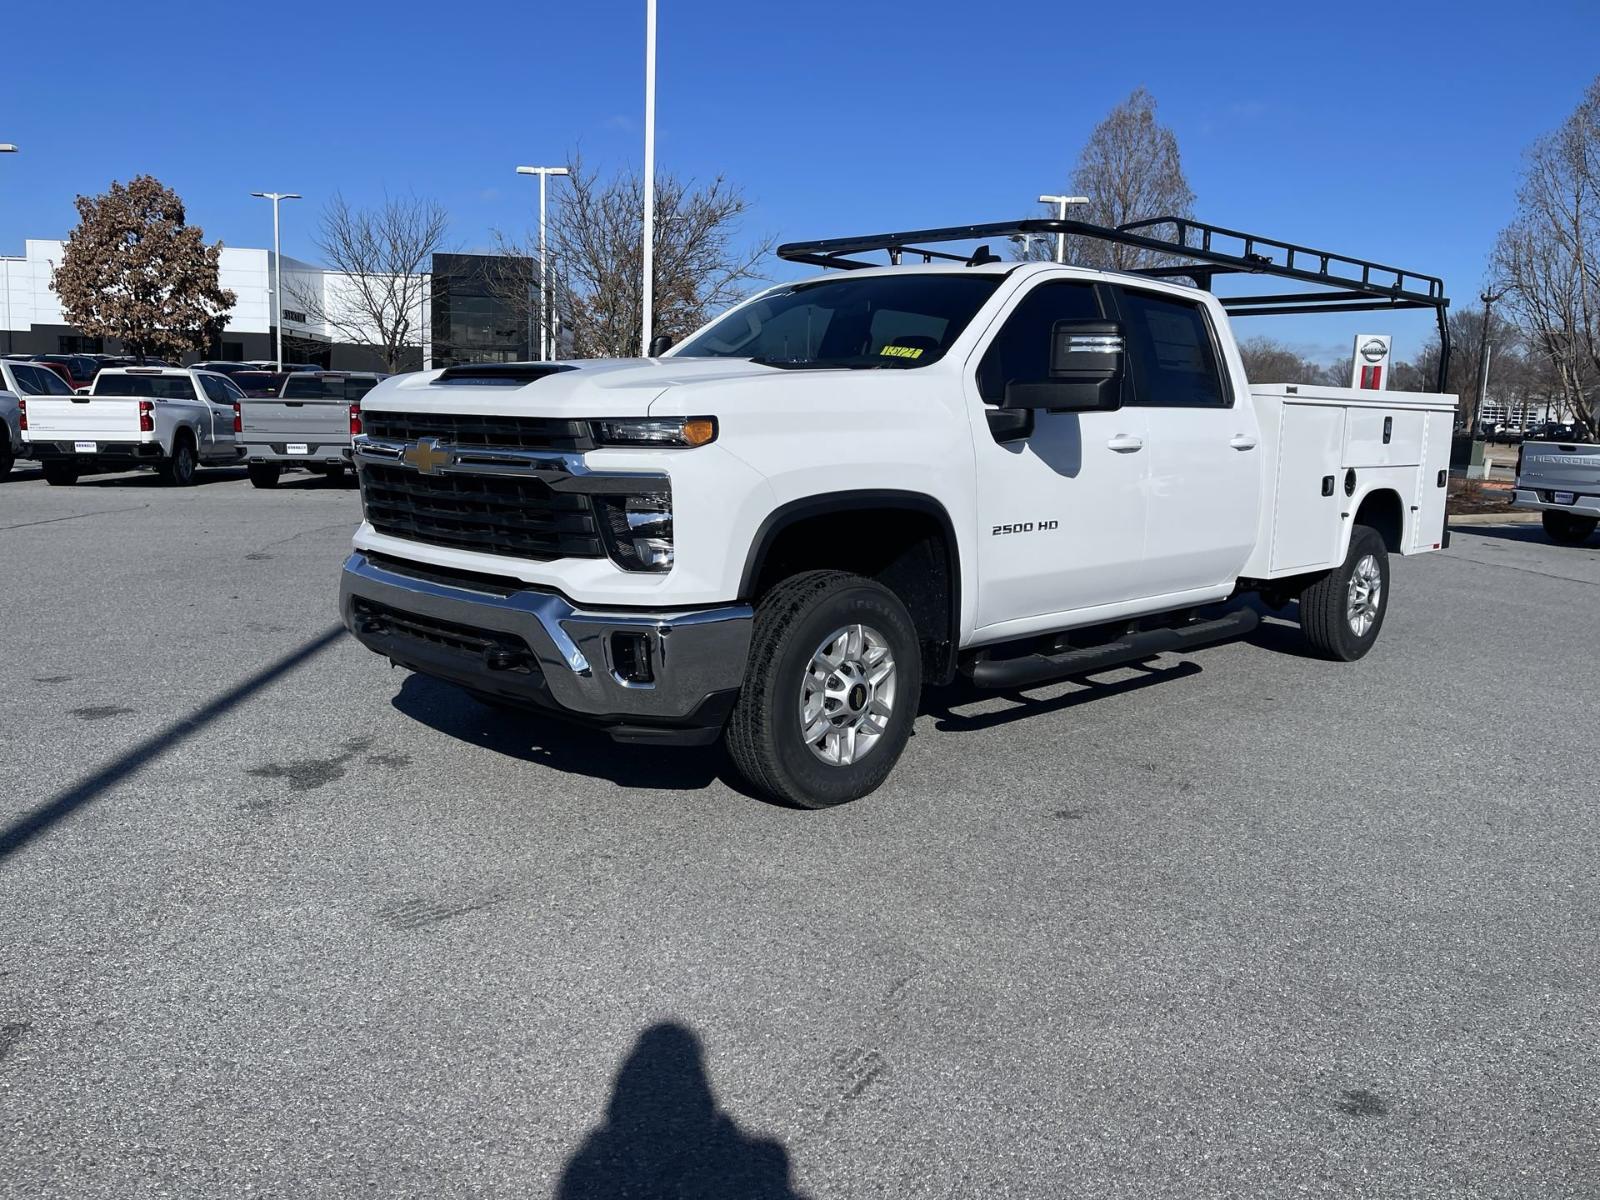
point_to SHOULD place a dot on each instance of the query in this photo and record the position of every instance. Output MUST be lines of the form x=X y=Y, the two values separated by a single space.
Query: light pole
x=544 y=321
x=8 y=148
x=277 y=267
x=649 y=234
x=1061 y=203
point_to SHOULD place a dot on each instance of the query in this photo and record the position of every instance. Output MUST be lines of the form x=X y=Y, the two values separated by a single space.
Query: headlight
x=638 y=531
x=656 y=431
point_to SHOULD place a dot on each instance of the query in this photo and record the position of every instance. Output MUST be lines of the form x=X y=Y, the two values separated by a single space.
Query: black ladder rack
x=1348 y=284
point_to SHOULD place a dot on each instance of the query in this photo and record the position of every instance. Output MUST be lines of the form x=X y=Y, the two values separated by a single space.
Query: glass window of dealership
x=476 y=316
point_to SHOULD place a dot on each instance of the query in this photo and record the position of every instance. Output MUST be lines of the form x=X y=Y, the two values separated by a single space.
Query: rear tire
x=833 y=654
x=1341 y=613
x=178 y=469
x=1566 y=529
x=7 y=458
x=60 y=474
x=263 y=475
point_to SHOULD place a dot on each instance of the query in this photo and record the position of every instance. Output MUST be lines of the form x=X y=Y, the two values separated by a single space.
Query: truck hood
x=616 y=387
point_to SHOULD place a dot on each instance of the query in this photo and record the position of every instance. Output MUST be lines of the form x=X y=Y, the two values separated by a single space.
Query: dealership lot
x=275 y=919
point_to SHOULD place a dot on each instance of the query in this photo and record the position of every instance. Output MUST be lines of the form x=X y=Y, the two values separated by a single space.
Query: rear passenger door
x=1204 y=444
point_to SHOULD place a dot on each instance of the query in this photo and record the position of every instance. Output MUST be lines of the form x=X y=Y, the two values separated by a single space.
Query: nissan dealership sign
x=1370 y=362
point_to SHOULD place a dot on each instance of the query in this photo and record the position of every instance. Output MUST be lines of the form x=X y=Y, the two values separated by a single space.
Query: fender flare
x=795 y=511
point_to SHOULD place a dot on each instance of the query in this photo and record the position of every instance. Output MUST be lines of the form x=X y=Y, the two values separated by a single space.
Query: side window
x=51 y=384
x=1171 y=352
x=232 y=393
x=214 y=392
x=356 y=387
x=28 y=381
x=1020 y=352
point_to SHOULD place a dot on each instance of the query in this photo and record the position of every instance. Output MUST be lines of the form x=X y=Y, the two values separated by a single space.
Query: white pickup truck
x=1560 y=481
x=852 y=487
x=169 y=418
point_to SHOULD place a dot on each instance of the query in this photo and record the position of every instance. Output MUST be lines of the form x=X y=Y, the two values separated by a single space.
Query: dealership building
x=461 y=315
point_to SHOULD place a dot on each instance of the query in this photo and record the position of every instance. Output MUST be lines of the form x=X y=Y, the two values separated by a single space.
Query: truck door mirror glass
x=1086 y=368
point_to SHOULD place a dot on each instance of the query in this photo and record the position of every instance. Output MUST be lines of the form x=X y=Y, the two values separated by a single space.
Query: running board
x=1042 y=668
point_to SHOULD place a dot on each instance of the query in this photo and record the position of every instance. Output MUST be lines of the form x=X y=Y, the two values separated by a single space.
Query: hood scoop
x=500 y=374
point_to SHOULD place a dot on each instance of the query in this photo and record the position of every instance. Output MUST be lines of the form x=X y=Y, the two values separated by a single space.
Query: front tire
x=1341 y=613
x=178 y=469
x=7 y=458
x=1567 y=529
x=60 y=474
x=263 y=475
x=830 y=691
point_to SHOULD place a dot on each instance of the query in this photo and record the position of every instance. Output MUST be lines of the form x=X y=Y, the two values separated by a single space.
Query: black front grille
x=492 y=514
x=462 y=429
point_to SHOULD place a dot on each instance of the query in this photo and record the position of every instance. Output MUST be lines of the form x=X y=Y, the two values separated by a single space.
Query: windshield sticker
x=901 y=351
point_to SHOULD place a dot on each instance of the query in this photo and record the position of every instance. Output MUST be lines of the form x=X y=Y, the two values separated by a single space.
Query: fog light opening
x=631 y=657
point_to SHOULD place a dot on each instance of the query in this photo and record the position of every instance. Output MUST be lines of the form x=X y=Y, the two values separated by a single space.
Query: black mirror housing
x=1086 y=369
x=660 y=344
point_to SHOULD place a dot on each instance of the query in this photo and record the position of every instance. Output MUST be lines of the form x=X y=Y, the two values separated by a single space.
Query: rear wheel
x=831 y=688
x=1341 y=613
x=263 y=475
x=1568 y=529
x=7 y=458
x=60 y=474
x=178 y=468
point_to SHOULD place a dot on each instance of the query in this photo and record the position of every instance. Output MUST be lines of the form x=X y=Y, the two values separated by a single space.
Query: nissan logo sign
x=1374 y=351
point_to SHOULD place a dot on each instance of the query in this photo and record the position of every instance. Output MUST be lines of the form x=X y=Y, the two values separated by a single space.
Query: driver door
x=1062 y=503
x=217 y=428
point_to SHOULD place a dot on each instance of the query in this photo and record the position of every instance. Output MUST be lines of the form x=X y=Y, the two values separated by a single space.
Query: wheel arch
x=1381 y=508
x=798 y=529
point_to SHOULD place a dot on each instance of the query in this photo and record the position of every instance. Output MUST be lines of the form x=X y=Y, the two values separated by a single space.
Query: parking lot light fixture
x=277 y=267
x=1061 y=203
x=544 y=309
x=8 y=148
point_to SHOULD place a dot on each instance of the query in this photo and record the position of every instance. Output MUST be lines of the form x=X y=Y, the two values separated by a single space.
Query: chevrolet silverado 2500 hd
x=1560 y=481
x=169 y=418
x=850 y=487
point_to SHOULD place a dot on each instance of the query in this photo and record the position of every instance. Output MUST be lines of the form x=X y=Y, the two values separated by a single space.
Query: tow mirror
x=660 y=344
x=1086 y=367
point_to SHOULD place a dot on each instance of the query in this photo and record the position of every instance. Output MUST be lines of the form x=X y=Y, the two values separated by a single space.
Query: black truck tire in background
x=263 y=475
x=1567 y=529
x=60 y=474
x=177 y=469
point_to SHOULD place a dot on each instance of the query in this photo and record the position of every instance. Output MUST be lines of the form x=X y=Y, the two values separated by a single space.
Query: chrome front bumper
x=569 y=665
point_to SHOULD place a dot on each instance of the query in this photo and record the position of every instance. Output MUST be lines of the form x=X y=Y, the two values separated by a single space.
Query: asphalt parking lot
x=278 y=920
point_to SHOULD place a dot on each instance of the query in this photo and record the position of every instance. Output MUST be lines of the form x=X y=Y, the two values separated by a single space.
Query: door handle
x=1242 y=441
x=1126 y=443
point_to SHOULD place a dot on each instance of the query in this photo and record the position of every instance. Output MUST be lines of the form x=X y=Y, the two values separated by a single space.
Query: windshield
x=905 y=320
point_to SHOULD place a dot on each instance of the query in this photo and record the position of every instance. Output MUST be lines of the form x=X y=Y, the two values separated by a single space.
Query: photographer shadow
x=664 y=1135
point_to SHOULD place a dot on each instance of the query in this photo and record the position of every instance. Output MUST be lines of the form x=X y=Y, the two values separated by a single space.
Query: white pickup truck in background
x=1561 y=481
x=847 y=488
x=169 y=418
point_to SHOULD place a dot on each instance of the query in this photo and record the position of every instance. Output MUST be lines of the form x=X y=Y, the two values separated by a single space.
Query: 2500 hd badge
x=1026 y=527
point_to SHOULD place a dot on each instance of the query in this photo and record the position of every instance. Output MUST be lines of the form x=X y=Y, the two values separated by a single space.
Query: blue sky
x=1391 y=131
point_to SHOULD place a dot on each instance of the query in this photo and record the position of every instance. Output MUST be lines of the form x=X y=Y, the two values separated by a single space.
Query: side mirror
x=1086 y=366
x=660 y=344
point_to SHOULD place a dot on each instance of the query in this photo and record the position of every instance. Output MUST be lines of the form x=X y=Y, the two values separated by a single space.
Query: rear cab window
x=1172 y=352
x=152 y=387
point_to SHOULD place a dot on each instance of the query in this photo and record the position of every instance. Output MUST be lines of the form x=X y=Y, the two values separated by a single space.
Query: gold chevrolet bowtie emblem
x=428 y=456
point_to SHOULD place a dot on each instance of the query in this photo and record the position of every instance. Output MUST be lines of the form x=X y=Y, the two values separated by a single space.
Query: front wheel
x=830 y=690
x=1567 y=529
x=1341 y=613
x=7 y=458
x=178 y=469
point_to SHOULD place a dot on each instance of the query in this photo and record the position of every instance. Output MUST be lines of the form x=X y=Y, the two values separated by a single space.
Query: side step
x=1041 y=668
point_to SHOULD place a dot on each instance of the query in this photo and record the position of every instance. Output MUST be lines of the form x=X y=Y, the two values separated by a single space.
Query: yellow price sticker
x=901 y=352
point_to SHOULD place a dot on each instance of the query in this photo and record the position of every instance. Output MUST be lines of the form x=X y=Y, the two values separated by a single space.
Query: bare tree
x=1548 y=259
x=596 y=259
x=1130 y=170
x=135 y=270
x=383 y=255
x=1267 y=360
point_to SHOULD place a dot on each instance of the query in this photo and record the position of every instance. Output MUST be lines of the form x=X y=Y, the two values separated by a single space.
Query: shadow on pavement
x=1533 y=535
x=18 y=834
x=561 y=745
x=664 y=1135
x=139 y=479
